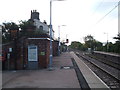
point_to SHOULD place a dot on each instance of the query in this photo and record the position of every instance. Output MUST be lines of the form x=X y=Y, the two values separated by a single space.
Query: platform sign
x=32 y=53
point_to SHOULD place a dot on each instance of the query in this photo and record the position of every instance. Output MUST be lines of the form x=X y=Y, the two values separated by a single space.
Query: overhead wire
x=98 y=7
x=107 y=13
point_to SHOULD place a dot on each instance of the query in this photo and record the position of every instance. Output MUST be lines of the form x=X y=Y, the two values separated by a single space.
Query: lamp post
x=51 y=56
x=59 y=38
x=107 y=42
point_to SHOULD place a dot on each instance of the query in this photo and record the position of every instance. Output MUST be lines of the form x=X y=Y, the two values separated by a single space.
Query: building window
x=41 y=27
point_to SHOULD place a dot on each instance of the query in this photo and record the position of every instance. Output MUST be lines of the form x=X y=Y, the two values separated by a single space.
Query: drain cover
x=66 y=67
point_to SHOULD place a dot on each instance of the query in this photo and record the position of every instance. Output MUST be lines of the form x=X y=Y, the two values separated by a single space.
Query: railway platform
x=62 y=76
x=91 y=78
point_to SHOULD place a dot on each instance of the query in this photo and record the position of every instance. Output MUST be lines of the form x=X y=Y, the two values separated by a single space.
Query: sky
x=79 y=17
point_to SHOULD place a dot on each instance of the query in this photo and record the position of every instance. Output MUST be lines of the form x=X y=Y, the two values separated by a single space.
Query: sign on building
x=32 y=53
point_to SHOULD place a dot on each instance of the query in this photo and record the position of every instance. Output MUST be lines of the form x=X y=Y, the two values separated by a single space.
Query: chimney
x=34 y=15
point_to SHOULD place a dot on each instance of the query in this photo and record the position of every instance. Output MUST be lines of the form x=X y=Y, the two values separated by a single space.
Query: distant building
x=40 y=25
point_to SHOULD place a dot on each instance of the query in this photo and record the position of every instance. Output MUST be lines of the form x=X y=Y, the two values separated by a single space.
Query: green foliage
x=90 y=42
x=38 y=32
x=6 y=31
x=78 y=45
x=75 y=45
x=25 y=27
x=117 y=47
x=118 y=37
x=10 y=26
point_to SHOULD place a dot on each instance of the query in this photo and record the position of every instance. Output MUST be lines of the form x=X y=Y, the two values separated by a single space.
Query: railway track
x=111 y=63
x=110 y=75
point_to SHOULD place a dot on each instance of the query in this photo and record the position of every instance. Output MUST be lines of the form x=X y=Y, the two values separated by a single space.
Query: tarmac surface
x=43 y=78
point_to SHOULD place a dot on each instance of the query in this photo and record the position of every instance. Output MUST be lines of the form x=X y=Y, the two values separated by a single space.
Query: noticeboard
x=32 y=53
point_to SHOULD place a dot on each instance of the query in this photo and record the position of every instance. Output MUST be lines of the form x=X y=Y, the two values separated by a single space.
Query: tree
x=116 y=47
x=89 y=41
x=78 y=45
x=98 y=46
x=118 y=37
x=6 y=31
x=26 y=28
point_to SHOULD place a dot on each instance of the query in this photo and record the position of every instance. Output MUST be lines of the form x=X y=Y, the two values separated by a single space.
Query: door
x=32 y=57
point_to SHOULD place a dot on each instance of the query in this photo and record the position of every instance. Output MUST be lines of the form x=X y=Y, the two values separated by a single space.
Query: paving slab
x=43 y=78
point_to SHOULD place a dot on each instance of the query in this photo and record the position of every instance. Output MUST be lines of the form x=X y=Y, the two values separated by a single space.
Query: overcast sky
x=81 y=17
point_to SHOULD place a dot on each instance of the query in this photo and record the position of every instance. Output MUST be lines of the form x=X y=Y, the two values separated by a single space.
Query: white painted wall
x=37 y=23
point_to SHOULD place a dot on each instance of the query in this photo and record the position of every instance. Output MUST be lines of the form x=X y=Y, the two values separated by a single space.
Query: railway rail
x=111 y=63
x=109 y=74
x=107 y=58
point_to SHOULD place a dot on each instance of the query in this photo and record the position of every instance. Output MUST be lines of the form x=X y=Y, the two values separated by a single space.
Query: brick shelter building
x=32 y=51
